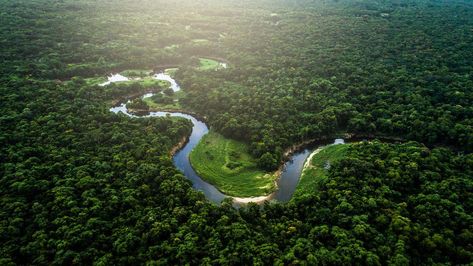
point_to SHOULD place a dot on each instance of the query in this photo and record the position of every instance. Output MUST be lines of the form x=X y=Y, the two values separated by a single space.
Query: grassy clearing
x=174 y=105
x=149 y=82
x=136 y=73
x=228 y=165
x=144 y=77
x=208 y=64
x=318 y=168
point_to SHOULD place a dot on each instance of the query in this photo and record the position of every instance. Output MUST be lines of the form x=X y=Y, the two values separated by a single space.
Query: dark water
x=289 y=179
x=287 y=182
x=292 y=171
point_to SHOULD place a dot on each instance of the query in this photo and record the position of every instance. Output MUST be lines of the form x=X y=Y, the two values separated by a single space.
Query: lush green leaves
x=81 y=185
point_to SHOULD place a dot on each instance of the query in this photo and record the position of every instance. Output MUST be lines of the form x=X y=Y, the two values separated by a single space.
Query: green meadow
x=228 y=165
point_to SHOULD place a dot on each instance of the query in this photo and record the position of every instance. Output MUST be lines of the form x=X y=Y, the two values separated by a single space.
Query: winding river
x=286 y=184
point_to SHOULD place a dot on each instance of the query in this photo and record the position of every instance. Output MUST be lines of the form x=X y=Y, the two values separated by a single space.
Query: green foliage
x=318 y=167
x=136 y=73
x=398 y=201
x=138 y=104
x=267 y=161
x=228 y=164
x=166 y=101
x=169 y=91
x=208 y=64
x=81 y=185
x=161 y=99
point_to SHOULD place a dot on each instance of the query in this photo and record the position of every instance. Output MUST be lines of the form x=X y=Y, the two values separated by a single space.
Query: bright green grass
x=228 y=165
x=145 y=78
x=317 y=172
x=174 y=106
x=136 y=73
x=149 y=82
x=208 y=64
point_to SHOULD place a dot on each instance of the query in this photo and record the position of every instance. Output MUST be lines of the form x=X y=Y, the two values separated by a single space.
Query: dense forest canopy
x=81 y=185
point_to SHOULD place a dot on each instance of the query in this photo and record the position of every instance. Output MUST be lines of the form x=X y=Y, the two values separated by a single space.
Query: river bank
x=286 y=176
x=179 y=146
x=307 y=161
x=142 y=112
x=316 y=168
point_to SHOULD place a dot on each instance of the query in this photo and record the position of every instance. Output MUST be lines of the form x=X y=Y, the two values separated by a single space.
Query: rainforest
x=236 y=132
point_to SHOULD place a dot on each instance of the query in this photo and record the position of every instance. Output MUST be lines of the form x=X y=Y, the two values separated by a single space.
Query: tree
x=267 y=161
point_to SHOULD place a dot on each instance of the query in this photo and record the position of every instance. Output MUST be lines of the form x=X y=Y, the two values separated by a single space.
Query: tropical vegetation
x=82 y=185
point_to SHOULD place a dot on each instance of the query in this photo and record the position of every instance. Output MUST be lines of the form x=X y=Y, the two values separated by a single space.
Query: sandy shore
x=307 y=161
x=252 y=199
